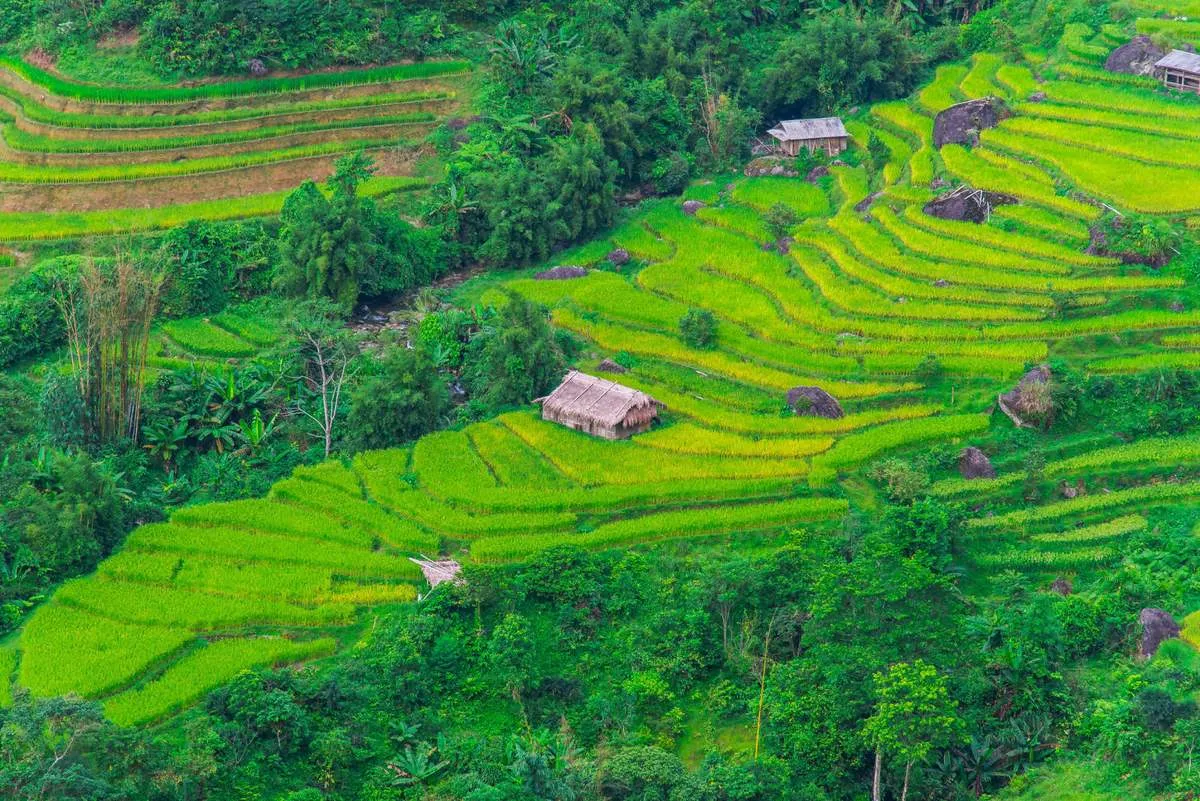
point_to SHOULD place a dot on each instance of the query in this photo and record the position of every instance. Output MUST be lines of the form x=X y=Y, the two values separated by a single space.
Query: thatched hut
x=599 y=407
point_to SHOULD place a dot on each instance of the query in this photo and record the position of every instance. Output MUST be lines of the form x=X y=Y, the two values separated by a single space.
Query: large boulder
x=960 y=124
x=1062 y=586
x=814 y=402
x=618 y=257
x=1157 y=626
x=865 y=204
x=1137 y=57
x=967 y=204
x=609 y=366
x=692 y=206
x=1030 y=400
x=974 y=463
x=561 y=273
x=816 y=173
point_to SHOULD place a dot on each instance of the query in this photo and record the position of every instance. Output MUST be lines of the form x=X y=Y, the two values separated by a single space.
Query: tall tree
x=913 y=715
x=324 y=352
x=517 y=359
x=325 y=244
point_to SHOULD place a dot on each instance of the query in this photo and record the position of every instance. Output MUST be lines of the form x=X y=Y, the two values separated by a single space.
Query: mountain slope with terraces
x=82 y=159
x=870 y=290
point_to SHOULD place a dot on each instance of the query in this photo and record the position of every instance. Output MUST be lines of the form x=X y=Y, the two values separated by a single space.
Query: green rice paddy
x=861 y=300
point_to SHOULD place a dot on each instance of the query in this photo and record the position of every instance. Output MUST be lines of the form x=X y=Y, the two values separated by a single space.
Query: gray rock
x=1062 y=586
x=562 y=273
x=609 y=366
x=814 y=402
x=967 y=204
x=974 y=463
x=866 y=203
x=960 y=124
x=692 y=206
x=1029 y=399
x=1136 y=57
x=618 y=257
x=816 y=173
x=1157 y=626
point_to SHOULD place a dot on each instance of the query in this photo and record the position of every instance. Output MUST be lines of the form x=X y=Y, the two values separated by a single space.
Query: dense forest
x=273 y=314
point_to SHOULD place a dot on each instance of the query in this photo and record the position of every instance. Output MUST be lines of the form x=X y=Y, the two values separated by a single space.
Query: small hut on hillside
x=822 y=133
x=1179 y=69
x=599 y=407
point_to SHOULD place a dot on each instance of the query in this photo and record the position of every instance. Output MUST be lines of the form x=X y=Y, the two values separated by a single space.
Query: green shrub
x=30 y=320
x=698 y=328
x=403 y=398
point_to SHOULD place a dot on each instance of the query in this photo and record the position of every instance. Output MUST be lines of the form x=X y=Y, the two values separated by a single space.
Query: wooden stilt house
x=1179 y=69
x=823 y=133
x=599 y=407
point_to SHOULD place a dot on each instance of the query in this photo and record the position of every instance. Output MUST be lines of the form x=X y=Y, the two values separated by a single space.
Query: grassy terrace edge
x=30 y=226
x=74 y=90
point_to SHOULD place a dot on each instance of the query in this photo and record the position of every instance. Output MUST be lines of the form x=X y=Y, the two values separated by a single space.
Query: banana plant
x=256 y=432
x=414 y=766
x=164 y=440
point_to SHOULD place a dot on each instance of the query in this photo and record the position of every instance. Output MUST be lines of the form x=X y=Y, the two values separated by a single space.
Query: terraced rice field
x=869 y=290
x=127 y=159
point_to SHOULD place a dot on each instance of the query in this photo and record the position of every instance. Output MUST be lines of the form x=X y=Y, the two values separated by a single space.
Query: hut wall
x=831 y=146
x=1179 y=79
x=625 y=430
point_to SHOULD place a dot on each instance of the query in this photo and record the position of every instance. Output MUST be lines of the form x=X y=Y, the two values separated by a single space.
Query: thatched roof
x=819 y=128
x=1180 y=60
x=585 y=398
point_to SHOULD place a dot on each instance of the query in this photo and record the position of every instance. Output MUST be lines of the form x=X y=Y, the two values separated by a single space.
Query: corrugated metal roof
x=1180 y=60
x=818 y=128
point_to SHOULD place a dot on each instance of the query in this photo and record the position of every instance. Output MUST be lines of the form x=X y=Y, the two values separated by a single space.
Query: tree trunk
x=878 y=770
x=907 y=772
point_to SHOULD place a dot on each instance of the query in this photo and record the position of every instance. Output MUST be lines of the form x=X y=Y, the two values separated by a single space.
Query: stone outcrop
x=1157 y=626
x=1136 y=57
x=1029 y=401
x=814 y=402
x=974 y=463
x=961 y=124
x=561 y=273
